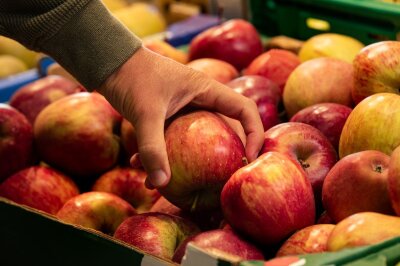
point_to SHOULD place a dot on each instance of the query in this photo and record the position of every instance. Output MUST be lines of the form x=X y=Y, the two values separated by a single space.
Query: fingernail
x=158 y=178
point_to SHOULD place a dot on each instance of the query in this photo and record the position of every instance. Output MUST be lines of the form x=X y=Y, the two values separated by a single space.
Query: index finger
x=227 y=102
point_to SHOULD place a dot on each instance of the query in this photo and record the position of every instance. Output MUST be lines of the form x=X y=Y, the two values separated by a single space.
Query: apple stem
x=304 y=164
x=196 y=198
x=378 y=169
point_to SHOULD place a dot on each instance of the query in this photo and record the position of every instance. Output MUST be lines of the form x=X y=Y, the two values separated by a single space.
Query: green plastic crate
x=366 y=20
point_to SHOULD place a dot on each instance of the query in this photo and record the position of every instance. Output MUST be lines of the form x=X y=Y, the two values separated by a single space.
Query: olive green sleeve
x=81 y=35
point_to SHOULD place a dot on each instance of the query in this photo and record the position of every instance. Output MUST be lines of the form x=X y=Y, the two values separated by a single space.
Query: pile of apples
x=327 y=177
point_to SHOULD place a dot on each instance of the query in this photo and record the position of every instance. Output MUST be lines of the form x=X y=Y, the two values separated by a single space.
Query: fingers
x=152 y=149
x=225 y=101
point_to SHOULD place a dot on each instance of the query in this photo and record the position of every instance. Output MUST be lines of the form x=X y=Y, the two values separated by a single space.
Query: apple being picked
x=155 y=233
x=39 y=187
x=268 y=199
x=78 y=134
x=329 y=118
x=376 y=69
x=275 y=64
x=351 y=179
x=374 y=124
x=264 y=92
x=203 y=152
x=16 y=141
x=217 y=69
x=225 y=244
x=235 y=41
x=307 y=146
x=128 y=184
x=312 y=239
x=318 y=80
x=96 y=210
x=33 y=97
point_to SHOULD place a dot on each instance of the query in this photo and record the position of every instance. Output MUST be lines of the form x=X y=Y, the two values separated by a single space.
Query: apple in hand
x=128 y=184
x=374 y=124
x=33 y=97
x=329 y=118
x=269 y=199
x=219 y=70
x=364 y=228
x=155 y=233
x=275 y=64
x=225 y=244
x=39 y=187
x=376 y=69
x=307 y=146
x=128 y=141
x=203 y=152
x=312 y=239
x=357 y=183
x=235 y=41
x=78 y=135
x=264 y=92
x=101 y=211
x=16 y=141
x=318 y=80
x=394 y=180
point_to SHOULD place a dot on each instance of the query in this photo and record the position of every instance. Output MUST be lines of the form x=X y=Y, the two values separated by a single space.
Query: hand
x=149 y=88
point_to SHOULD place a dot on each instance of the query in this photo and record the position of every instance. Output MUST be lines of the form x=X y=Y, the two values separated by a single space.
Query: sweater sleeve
x=81 y=35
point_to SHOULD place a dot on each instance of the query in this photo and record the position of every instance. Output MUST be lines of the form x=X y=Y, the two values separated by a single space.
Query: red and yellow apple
x=39 y=187
x=16 y=141
x=268 y=199
x=101 y=211
x=394 y=180
x=128 y=184
x=203 y=152
x=214 y=68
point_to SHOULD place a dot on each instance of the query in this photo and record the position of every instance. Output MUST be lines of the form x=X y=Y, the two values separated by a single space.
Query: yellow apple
x=10 y=47
x=10 y=65
x=330 y=45
x=114 y=5
x=142 y=19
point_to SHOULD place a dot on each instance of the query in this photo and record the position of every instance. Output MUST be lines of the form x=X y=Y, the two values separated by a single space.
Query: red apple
x=77 y=134
x=39 y=187
x=128 y=184
x=269 y=199
x=203 y=152
x=374 y=124
x=275 y=64
x=329 y=118
x=318 y=81
x=155 y=233
x=217 y=69
x=16 y=141
x=312 y=239
x=376 y=69
x=264 y=92
x=357 y=183
x=204 y=220
x=307 y=146
x=100 y=211
x=394 y=180
x=235 y=41
x=33 y=97
x=225 y=244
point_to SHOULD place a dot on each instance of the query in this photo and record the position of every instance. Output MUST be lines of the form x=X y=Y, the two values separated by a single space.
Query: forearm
x=80 y=34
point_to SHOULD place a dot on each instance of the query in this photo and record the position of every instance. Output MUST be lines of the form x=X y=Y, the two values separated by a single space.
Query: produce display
x=327 y=177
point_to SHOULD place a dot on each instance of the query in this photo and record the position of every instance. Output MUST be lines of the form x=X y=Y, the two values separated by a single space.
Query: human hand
x=149 y=88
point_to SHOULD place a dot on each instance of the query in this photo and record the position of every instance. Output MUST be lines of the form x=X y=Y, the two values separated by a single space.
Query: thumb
x=152 y=148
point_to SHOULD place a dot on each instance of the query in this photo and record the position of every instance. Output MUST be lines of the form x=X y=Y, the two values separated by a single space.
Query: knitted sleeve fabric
x=81 y=35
